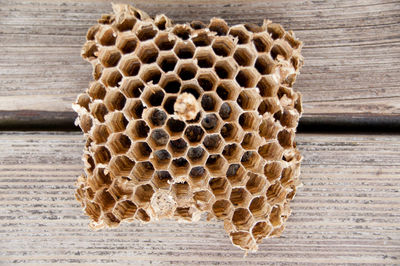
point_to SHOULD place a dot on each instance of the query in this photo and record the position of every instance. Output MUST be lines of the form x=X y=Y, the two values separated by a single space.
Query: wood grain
x=347 y=212
x=352 y=50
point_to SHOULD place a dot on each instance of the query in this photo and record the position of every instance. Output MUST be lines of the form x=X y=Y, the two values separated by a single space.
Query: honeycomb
x=186 y=119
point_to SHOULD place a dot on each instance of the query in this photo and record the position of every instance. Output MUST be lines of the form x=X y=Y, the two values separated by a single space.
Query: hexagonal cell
x=247 y=78
x=262 y=42
x=110 y=220
x=251 y=160
x=182 y=31
x=202 y=199
x=157 y=117
x=197 y=25
x=209 y=102
x=228 y=90
x=130 y=65
x=125 y=209
x=132 y=87
x=225 y=111
x=125 y=23
x=242 y=219
x=232 y=152
x=91 y=33
x=117 y=121
x=236 y=174
x=243 y=57
x=119 y=143
x=111 y=77
x=248 y=99
x=151 y=74
x=138 y=129
x=146 y=32
x=140 y=151
x=96 y=90
x=106 y=36
x=249 y=121
x=213 y=143
x=226 y=68
x=133 y=109
x=161 y=159
x=268 y=86
x=241 y=33
x=175 y=127
x=100 y=134
x=220 y=187
x=158 y=138
x=211 y=122
x=198 y=176
x=205 y=58
x=256 y=183
x=275 y=216
x=223 y=46
x=167 y=61
x=216 y=164
x=271 y=151
x=275 y=193
x=89 y=51
x=179 y=167
x=184 y=50
x=147 y=53
x=114 y=100
x=196 y=155
x=109 y=57
x=101 y=155
x=165 y=41
x=289 y=118
x=222 y=209
x=181 y=190
x=142 y=216
x=243 y=240
x=97 y=71
x=184 y=213
x=142 y=171
x=261 y=230
x=207 y=80
x=273 y=170
x=162 y=179
x=286 y=138
x=99 y=111
x=265 y=65
x=219 y=26
x=84 y=100
x=143 y=194
x=201 y=38
x=99 y=179
x=178 y=146
x=251 y=141
x=230 y=132
x=268 y=128
x=153 y=96
x=127 y=42
x=240 y=197
x=281 y=49
x=187 y=71
x=194 y=134
x=260 y=208
x=170 y=83
x=121 y=165
x=276 y=30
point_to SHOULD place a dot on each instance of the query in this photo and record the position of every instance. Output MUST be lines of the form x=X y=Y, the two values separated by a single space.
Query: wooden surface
x=347 y=212
x=352 y=52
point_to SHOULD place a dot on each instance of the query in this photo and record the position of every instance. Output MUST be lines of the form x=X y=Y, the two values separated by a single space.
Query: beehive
x=187 y=119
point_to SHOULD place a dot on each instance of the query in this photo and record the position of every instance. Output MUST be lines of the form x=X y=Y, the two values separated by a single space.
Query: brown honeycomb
x=187 y=119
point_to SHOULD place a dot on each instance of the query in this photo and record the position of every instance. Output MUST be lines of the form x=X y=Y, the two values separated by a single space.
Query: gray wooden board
x=347 y=212
x=352 y=51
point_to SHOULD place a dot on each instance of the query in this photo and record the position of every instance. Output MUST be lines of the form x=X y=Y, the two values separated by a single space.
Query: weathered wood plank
x=347 y=212
x=352 y=50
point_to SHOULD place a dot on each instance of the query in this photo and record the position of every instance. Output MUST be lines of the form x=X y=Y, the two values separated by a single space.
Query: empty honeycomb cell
x=162 y=179
x=271 y=151
x=219 y=26
x=242 y=219
x=179 y=167
x=186 y=119
x=223 y=46
x=261 y=230
x=255 y=184
x=126 y=42
x=119 y=143
x=216 y=164
x=148 y=53
x=220 y=187
x=241 y=33
x=117 y=121
x=194 y=134
x=111 y=77
x=196 y=155
x=167 y=62
x=213 y=143
x=130 y=66
x=222 y=209
x=240 y=197
x=184 y=50
x=187 y=71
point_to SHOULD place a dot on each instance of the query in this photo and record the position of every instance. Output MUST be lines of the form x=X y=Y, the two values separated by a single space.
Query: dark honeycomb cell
x=146 y=32
x=158 y=117
x=187 y=71
x=210 y=122
x=194 y=133
x=184 y=50
x=165 y=41
x=196 y=154
x=167 y=62
x=208 y=102
x=159 y=137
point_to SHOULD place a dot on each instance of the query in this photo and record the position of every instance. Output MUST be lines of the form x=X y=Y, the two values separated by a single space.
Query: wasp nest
x=187 y=119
